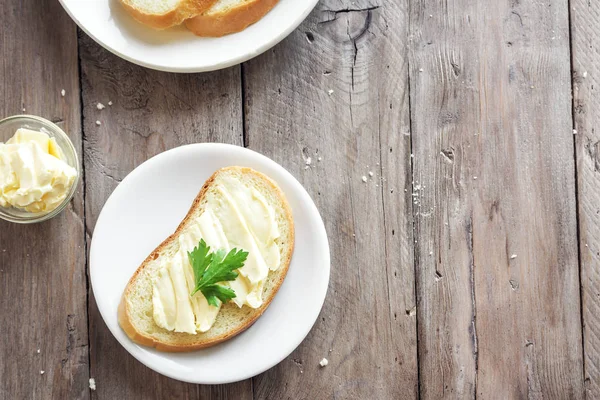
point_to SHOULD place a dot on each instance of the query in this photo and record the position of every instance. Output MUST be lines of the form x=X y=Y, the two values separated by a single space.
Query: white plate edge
x=189 y=70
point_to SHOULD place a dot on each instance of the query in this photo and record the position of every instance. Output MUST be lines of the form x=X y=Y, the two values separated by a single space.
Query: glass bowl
x=8 y=127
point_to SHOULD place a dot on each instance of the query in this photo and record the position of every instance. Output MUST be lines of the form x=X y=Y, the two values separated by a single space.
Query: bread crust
x=174 y=17
x=235 y=19
x=146 y=340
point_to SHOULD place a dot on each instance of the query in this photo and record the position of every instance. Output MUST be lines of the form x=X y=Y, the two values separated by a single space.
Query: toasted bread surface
x=135 y=310
x=229 y=16
x=163 y=14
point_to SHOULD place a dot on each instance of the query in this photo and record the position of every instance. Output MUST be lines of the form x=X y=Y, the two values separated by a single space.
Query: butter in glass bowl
x=39 y=169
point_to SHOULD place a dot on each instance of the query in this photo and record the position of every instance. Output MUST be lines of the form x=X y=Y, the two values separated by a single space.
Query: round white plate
x=147 y=207
x=176 y=49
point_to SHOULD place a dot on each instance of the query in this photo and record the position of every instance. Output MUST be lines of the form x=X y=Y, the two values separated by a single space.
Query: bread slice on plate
x=135 y=312
x=229 y=16
x=163 y=14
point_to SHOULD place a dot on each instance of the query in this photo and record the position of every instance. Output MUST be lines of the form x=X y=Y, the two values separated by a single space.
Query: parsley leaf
x=200 y=260
x=212 y=268
x=216 y=293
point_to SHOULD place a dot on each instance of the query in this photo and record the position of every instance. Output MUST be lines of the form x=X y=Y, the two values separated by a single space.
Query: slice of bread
x=229 y=16
x=163 y=14
x=135 y=312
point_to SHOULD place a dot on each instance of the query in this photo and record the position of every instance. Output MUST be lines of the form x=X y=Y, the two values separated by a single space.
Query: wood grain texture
x=336 y=91
x=585 y=39
x=42 y=266
x=495 y=221
x=151 y=112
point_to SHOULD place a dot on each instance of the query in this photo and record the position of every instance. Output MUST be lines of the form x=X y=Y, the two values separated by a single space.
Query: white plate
x=176 y=49
x=147 y=207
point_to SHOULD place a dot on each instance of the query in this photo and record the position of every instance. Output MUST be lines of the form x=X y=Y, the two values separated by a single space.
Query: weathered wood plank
x=151 y=112
x=585 y=31
x=336 y=91
x=495 y=221
x=42 y=266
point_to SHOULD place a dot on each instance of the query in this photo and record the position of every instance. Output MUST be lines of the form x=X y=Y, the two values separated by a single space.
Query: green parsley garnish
x=212 y=268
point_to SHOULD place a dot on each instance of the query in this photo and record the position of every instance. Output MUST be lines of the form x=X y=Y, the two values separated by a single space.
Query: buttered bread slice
x=237 y=209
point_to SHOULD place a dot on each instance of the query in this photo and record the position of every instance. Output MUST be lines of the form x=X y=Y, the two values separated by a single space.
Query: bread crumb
x=92 y=384
x=475 y=177
x=319 y=159
x=308 y=161
x=98 y=123
x=63 y=92
x=38 y=351
x=574 y=131
x=513 y=256
x=42 y=372
x=110 y=103
x=100 y=106
x=420 y=69
x=370 y=173
x=24 y=110
x=585 y=74
x=330 y=350
x=364 y=179
x=323 y=362
x=330 y=92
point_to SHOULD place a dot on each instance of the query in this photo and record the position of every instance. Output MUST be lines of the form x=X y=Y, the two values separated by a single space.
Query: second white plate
x=147 y=207
x=176 y=49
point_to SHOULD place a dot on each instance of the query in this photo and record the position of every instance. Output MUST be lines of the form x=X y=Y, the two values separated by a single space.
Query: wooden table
x=467 y=266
